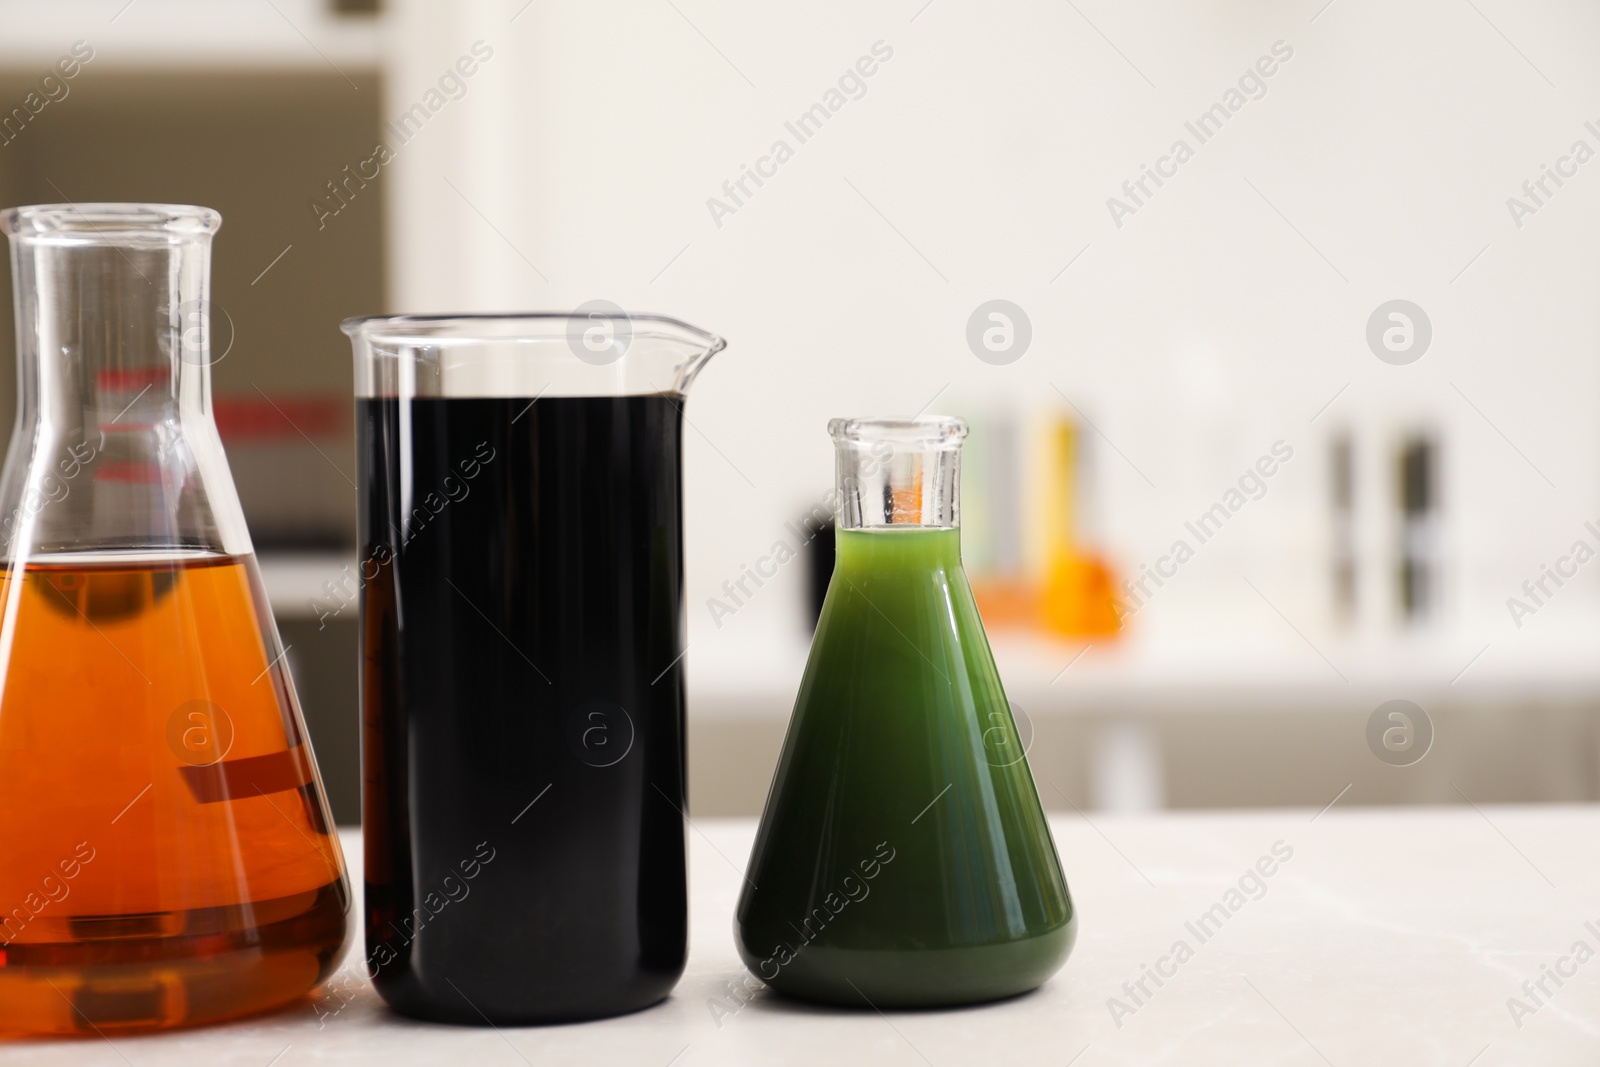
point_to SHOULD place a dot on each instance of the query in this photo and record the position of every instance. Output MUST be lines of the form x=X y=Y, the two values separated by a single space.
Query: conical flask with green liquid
x=903 y=858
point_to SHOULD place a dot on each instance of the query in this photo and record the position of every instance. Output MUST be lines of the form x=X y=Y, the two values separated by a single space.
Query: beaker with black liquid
x=522 y=684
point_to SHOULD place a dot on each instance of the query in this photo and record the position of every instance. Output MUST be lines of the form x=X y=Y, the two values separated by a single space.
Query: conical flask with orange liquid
x=168 y=856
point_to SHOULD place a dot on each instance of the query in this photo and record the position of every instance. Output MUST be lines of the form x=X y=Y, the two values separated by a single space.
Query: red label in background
x=253 y=418
x=131 y=379
x=130 y=471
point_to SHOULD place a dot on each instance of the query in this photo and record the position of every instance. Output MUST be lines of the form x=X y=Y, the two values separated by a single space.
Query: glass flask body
x=903 y=858
x=522 y=683
x=168 y=856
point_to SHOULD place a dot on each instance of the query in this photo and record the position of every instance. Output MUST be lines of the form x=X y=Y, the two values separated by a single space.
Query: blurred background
x=1275 y=324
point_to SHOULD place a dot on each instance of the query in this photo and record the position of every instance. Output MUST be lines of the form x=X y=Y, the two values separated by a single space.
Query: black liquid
x=522 y=697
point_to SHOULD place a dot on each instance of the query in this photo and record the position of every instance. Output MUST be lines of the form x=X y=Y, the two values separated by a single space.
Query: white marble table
x=1390 y=936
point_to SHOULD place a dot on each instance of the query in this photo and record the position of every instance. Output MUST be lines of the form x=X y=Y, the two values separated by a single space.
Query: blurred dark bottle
x=819 y=571
x=1341 y=457
x=1419 y=541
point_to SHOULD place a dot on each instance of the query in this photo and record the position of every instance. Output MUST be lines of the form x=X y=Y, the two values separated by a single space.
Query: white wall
x=1219 y=318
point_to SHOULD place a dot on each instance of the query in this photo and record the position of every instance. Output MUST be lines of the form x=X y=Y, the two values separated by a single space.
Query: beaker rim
x=923 y=430
x=109 y=223
x=500 y=327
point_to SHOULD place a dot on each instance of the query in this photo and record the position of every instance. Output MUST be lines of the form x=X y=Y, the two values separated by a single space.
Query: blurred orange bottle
x=1077 y=598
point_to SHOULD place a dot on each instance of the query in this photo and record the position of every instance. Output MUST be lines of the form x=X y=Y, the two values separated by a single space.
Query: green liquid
x=903 y=858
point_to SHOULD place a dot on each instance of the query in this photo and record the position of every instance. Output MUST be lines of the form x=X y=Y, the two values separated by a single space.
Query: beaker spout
x=695 y=348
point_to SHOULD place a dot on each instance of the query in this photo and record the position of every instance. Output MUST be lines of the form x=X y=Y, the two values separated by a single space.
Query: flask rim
x=109 y=223
x=926 y=431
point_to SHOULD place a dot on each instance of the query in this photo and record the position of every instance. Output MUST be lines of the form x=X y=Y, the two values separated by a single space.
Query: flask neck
x=113 y=312
x=898 y=472
x=115 y=445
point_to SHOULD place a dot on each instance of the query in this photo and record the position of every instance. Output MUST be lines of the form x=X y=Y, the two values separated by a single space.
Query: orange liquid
x=166 y=854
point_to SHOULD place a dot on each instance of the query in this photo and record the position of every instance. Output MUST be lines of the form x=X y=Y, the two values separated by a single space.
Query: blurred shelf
x=1233 y=665
x=169 y=34
x=1236 y=668
x=1237 y=714
x=294 y=580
